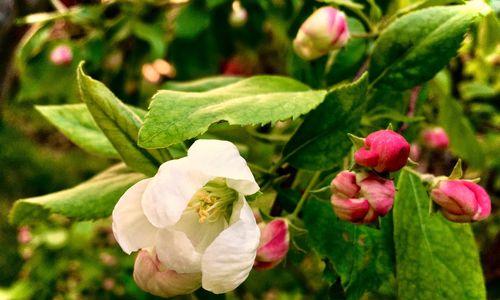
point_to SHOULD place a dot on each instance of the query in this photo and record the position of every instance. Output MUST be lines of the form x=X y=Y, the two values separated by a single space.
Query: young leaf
x=416 y=46
x=176 y=116
x=463 y=141
x=201 y=85
x=358 y=253
x=92 y=199
x=321 y=141
x=457 y=172
x=77 y=124
x=435 y=258
x=118 y=122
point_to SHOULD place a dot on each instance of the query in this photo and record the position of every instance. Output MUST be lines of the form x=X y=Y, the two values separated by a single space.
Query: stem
x=306 y=193
x=258 y=168
x=364 y=35
x=365 y=20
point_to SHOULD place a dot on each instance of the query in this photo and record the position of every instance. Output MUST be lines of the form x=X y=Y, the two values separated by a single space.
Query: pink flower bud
x=326 y=29
x=345 y=183
x=151 y=276
x=384 y=151
x=462 y=200
x=274 y=243
x=61 y=55
x=371 y=197
x=436 y=138
x=415 y=152
x=24 y=235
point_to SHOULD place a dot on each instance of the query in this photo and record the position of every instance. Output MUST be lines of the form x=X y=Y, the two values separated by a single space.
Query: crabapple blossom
x=193 y=219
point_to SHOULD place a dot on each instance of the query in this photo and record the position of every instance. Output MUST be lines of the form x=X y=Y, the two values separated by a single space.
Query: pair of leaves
x=77 y=124
x=175 y=116
x=321 y=141
x=416 y=46
x=435 y=258
x=119 y=123
x=103 y=126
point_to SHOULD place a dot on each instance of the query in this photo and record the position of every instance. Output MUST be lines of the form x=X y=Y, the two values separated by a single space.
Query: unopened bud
x=325 y=30
x=462 y=200
x=436 y=138
x=361 y=198
x=238 y=16
x=61 y=55
x=274 y=243
x=24 y=235
x=151 y=276
x=384 y=151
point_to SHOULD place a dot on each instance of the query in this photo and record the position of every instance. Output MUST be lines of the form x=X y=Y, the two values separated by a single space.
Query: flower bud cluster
x=364 y=196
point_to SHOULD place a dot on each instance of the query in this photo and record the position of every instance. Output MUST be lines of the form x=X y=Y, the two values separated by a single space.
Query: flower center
x=213 y=201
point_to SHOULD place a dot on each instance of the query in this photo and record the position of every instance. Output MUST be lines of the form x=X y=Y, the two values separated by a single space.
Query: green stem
x=365 y=20
x=258 y=168
x=306 y=193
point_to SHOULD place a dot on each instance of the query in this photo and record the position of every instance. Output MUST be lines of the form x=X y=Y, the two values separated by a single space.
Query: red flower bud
x=274 y=243
x=362 y=198
x=462 y=200
x=384 y=151
x=436 y=138
x=326 y=29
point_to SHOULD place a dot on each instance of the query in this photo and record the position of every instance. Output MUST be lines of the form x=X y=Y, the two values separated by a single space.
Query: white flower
x=193 y=217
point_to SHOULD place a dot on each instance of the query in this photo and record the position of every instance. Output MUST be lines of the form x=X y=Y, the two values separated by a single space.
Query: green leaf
x=118 y=122
x=192 y=21
x=435 y=258
x=358 y=253
x=321 y=141
x=201 y=85
x=154 y=35
x=463 y=140
x=92 y=199
x=176 y=116
x=76 y=123
x=416 y=46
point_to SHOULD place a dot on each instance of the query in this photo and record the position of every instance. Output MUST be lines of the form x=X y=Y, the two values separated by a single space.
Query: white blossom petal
x=152 y=277
x=222 y=159
x=131 y=228
x=176 y=251
x=201 y=235
x=170 y=190
x=229 y=259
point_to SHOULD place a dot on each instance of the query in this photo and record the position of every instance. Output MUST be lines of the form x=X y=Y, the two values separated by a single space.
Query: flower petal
x=170 y=190
x=228 y=260
x=152 y=277
x=131 y=228
x=222 y=159
x=176 y=251
x=201 y=235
